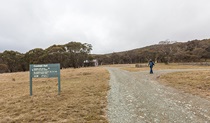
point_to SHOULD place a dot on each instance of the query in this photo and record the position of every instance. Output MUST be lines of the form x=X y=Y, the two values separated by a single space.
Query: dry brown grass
x=160 y=66
x=82 y=98
x=120 y=65
x=194 y=82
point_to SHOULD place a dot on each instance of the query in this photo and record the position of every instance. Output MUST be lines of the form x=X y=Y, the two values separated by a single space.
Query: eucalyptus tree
x=77 y=53
x=34 y=56
x=55 y=54
x=3 y=66
x=13 y=60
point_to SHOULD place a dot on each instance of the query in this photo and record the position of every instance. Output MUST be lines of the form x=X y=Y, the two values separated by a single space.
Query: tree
x=55 y=54
x=13 y=60
x=166 y=52
x=3 y=68
x=77 y=53
x=34 y=56
x=115 y=58
x=103 y=59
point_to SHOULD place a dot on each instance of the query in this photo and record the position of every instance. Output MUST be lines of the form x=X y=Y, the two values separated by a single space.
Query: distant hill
x=73 y=54
x=166 y=52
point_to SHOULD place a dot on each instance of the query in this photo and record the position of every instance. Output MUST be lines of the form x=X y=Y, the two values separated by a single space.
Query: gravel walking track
x=136 y=97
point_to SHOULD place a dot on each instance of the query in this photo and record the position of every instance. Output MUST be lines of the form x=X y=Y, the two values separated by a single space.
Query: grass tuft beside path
x=160 y=66
x=194 y=82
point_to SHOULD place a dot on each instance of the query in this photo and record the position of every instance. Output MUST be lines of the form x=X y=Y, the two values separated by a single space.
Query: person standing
x=151 y=64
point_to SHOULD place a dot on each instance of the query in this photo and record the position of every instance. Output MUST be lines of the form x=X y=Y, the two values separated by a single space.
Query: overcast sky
x=109 y=25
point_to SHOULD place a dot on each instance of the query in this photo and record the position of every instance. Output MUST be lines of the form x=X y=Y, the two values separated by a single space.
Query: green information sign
x=44 y=71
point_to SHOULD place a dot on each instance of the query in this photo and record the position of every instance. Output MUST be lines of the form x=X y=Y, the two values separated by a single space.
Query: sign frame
x=44 y=71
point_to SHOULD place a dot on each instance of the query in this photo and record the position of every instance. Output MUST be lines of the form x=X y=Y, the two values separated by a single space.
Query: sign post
x=44 y=71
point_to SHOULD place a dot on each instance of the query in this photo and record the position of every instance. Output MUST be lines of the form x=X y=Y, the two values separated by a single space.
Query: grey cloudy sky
x=109 y=25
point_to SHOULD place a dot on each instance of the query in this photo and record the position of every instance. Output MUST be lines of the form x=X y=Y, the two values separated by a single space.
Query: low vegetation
x=194 y=82
x=82 y=98
x=160 y=66
x=83 y=93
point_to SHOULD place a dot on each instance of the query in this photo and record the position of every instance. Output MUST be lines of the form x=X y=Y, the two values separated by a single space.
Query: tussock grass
x=161 y=66
x=82 y=98
x=194 y=82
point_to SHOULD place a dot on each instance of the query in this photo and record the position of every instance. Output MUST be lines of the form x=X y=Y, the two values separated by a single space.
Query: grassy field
x=159 y=66
x=82 y=98
x=83 y=93
x=194 y=82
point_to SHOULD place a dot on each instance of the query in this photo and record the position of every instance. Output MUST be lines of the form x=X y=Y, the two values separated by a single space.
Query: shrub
x=3 y=68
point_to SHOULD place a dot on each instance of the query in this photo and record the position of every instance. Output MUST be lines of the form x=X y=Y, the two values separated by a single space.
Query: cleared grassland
x=83 y=93
x=160 y=66
x=194 y=82
x=82 y=98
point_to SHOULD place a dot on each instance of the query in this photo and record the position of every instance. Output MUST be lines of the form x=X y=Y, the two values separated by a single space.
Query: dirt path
x=138 y=98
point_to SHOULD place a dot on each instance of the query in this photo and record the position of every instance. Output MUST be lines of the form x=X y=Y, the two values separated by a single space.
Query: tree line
x=72 y=54
x=191 y=51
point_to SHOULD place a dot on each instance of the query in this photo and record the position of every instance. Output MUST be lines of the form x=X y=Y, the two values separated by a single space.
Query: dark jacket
x=151 y=64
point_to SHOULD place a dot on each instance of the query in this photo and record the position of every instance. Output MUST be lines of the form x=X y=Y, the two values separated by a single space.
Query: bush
x=3 y=68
